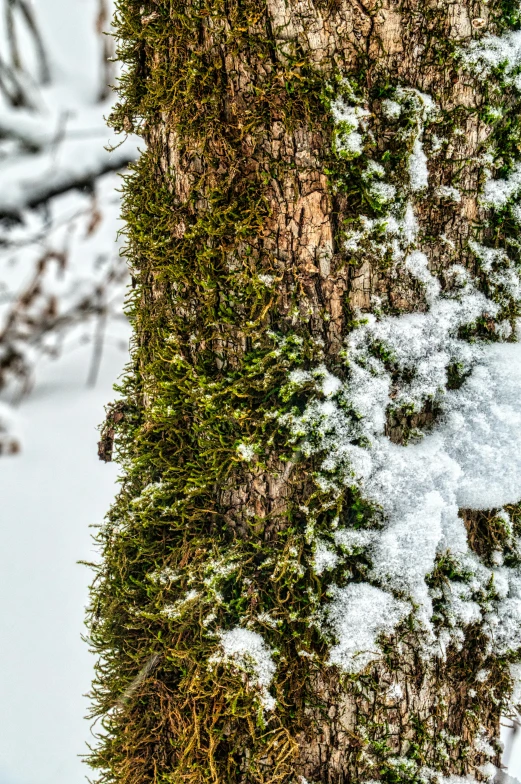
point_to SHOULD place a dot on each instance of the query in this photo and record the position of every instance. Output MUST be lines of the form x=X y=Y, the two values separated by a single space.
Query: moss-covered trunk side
x=269 y=128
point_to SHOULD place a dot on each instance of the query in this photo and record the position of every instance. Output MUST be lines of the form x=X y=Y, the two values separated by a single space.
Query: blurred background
x=63 y=343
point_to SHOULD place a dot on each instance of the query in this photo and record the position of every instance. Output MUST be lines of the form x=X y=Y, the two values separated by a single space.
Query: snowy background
x=61 y=292
x=63 y=343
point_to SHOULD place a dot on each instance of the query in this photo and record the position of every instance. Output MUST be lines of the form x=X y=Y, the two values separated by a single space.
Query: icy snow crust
x=470 y=459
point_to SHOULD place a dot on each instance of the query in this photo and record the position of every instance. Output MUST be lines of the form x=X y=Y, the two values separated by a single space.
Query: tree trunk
x=307 y=162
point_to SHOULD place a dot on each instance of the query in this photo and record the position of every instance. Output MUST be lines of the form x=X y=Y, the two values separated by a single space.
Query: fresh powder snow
x=247 y=651
x=419 y=488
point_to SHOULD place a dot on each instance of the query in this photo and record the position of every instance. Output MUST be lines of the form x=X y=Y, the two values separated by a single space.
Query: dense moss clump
x=220 y=511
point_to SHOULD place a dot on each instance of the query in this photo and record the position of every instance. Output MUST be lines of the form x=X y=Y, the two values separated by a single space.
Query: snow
x=66 y=128
x=248 y=651
x=418 y=171
x=396 y=231
x=358 y=613
x=391 y=109
x=417 y=264
x=395 y=692
x=383 y=191
x=349 y=120
x=515 y=674
x=497 y=193
x=496 y=54
x=419 y=487
x=246 y=452
x=51 y=493
x=325 y=557
x=177 y=609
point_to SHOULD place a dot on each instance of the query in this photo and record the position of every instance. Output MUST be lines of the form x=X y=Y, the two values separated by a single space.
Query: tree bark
x=237 y=218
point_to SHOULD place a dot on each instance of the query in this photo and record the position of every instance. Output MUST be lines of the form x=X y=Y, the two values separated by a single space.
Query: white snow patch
x=418 y=171
x=496 y=53
x=358 y=614
x=349 y=121
x=391 y=109
x=395 y=692
x=417 y=264
x=383 y=191
x=247 y=651
x=246 y=452
x=420 y=487
x=497 y=193
x=324 y=557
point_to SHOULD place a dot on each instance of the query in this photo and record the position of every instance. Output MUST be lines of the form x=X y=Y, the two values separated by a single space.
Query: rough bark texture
x=238 y=181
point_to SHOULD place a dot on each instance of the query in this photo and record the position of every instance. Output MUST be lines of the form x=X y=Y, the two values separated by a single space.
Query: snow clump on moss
x=247 y=651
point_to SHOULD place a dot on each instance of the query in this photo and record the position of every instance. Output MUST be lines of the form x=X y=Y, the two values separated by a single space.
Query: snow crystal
x=349 y=120
x=266 y=279
x=391 y=109
x=484 y=422
x=496 y=53
x=488 y=770
x=351 y=539
x=460 y=609
x=418 y=171
x=395 y=692
x=383 y=191
x=453 y=779
x=399 y=231
x=373 y=169
x=417 y=264
x=164 y=576
x=248 y=652
x=424 y=104
x=325 y=557
x=497 y=193
x=436 y=143
x=358 y=614
x=175 y=610
x=246 y=452
x=482 y=744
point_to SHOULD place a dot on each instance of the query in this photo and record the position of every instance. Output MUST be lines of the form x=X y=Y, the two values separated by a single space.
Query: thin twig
x=45 y=71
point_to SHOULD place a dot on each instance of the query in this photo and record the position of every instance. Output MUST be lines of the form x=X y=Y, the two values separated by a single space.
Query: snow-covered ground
x=51 y=493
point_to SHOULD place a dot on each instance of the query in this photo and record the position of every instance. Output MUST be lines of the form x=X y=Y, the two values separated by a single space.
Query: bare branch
x=45 y=71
